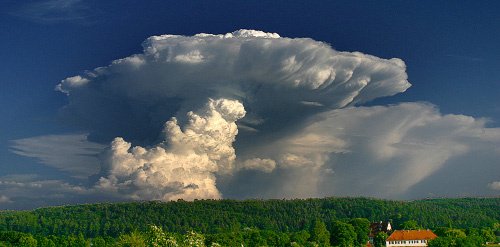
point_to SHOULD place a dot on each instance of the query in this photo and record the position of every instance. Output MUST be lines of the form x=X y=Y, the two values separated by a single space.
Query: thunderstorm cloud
x=252 y=114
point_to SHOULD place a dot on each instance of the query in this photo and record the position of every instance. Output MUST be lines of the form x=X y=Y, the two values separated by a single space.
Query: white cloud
x=183 y=165
x=265 y=165
x=311 y=103
x=495 y=185
x=191 y=57
x=289 y=160
x=4 y=199
x=71 y=82
x=295 y=100
x=72 y=153
x=403 y=151
x=274 y=77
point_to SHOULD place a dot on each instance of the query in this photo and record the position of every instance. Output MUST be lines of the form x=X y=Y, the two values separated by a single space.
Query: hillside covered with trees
x=219 y=216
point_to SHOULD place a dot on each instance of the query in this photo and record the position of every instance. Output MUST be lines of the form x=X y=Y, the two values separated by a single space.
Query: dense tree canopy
x=341 y=235
x=410 y=225
x=251 y=223
x=213 y=216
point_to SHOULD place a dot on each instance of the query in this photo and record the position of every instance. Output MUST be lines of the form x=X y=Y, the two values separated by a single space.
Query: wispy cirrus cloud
x=71 y=153
x=55 y=11
x=464 y=58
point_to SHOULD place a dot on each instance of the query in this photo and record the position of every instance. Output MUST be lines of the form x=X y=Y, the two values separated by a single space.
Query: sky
x=162 y=100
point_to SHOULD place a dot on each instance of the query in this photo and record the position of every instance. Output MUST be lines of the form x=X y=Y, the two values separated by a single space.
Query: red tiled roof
x=411 y=235
x=368 y=244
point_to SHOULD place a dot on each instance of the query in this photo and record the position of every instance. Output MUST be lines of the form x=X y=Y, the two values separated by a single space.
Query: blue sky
x=450 y=49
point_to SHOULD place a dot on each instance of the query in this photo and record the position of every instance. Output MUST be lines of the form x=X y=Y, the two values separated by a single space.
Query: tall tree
x=195 y=239
x=319 y=233
x=156 y=237
x=300 y=237
x=342 y=234
x=488 y=235
x=379 y=239
x=132 y=239
x=28 y=241
x=362 y=229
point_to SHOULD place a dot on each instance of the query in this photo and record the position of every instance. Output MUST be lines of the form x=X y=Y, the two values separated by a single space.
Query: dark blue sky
x=451 y=49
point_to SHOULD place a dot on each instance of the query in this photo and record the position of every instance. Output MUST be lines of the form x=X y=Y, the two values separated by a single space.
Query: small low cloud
x=311 y=103
x=495 y=185
x=22 y=192
x=265 y=165
x=5 y=199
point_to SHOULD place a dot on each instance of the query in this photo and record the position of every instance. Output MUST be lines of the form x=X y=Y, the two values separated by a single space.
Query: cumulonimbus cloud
x=172 y=115
x=272 y=76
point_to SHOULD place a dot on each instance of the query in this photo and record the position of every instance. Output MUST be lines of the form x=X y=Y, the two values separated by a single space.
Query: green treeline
x=346 y=233
x=222 y=216
x=316 y=235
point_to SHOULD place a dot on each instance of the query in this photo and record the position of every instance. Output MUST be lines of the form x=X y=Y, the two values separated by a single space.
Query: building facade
x=410 y=238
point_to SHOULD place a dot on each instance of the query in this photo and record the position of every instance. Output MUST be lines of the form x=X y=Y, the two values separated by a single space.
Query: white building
x=409 y=238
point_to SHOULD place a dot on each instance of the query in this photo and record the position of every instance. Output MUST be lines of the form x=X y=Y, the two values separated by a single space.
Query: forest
x=302 y=222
